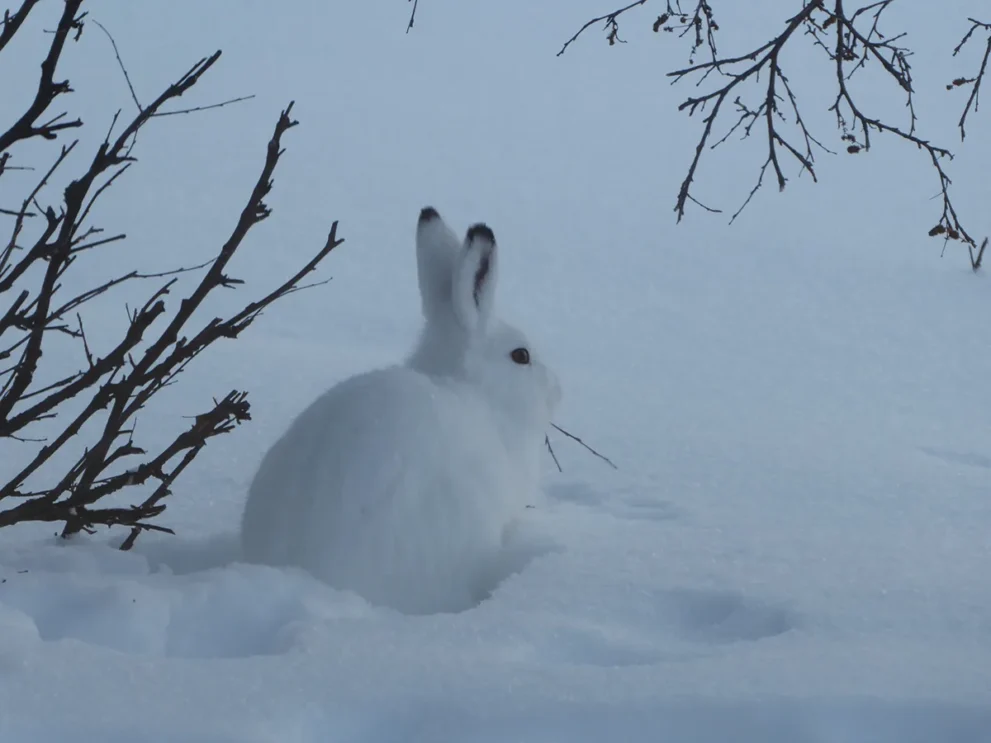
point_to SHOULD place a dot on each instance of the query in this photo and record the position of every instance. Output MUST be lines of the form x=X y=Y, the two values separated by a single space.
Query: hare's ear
x=437 y=249
x=475 y=279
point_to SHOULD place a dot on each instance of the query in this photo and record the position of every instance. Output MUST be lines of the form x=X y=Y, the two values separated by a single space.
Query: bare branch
x=8 y=278
x=974 y=99
x=63 y=228
x=975 y=260
x=763 y=57
x=96 y=195
x=11 y=23
x=226 y=414
x=412 y=15
x=700 y=23
x=120 y=381
x=22 y=214
x=574 y=438
x=547 y=443
x=609 y=21
x=124 y=393
x=120 y=62
x=852 y=46
x=852 y=42
x=48 y=88
x=858 y=42
x=206 y=108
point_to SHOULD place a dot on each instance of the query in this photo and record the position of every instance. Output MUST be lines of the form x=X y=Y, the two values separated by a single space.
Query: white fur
x=401 y=483
x=439 y=349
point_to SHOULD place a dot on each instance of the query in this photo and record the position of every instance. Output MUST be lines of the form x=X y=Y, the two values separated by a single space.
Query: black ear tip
x=428 y=214
x=480 y=231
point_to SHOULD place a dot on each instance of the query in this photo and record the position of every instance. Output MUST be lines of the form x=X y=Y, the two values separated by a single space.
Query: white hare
x=400 y=483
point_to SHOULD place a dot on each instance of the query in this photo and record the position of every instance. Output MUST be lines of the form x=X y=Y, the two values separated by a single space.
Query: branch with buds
x=851 y=41
x=99 y=402
x=974 y=83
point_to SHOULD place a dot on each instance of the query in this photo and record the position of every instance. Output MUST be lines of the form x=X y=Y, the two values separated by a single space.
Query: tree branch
x=857 y=42
x=412 y=15
x=48 y=88
x=11 y=23
x=121 y=381
x=194 y=109
x=609 y=21
x=974 y=99
x=120 y=62
x=763 y=57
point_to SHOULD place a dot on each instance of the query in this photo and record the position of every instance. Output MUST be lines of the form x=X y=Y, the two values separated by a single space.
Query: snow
x=795 y=545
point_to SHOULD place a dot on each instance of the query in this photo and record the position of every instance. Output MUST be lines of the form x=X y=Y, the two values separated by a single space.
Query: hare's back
x=322 y=454
x=395 y=427
x=412 y=484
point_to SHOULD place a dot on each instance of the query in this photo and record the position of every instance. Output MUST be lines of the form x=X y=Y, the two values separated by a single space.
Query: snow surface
x=796 y=545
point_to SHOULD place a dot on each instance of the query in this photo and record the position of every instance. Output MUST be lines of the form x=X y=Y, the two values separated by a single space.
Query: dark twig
x=48 y=89
x=852 y=40
x=973 y=100
x=11 y=23
x=858 y=41
x=853 y=47
x=700 y=23
x=547 y=442
x=226 y=414
x=111 y=384
x=975 y=260
x=9 y=276
x=103 y=288
x=58 y=252
x=206 y=108
x=609 y=20
x=412 y=15
x=571 y=436
x=764 y=58
x=120 y=62
x=709 y=209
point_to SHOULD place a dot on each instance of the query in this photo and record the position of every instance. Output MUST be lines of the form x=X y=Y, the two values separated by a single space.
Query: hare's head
x=461 y=337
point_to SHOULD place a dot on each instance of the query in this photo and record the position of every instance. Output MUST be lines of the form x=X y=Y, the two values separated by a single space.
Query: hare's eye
x=520 y=356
